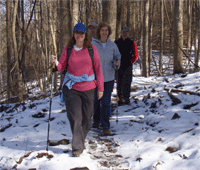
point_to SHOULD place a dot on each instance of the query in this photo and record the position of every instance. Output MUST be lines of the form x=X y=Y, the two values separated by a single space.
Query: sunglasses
x=79 y=32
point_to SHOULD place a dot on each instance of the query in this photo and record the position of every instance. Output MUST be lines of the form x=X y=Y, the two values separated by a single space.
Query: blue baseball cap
x=125 y=29
x=80 y=27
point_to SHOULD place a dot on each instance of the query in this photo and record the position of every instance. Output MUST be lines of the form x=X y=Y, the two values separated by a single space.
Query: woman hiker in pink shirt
x=83 y=76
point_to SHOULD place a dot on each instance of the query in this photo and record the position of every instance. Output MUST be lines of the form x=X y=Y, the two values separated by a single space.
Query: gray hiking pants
x=80 y=108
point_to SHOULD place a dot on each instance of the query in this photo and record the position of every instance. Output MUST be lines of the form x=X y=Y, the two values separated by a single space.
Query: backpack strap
x=91 y=52
x=69 y=51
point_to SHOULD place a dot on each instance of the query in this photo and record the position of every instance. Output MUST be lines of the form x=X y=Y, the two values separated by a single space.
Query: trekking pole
x=117 y=109
x=50 y=106
x=116 y=74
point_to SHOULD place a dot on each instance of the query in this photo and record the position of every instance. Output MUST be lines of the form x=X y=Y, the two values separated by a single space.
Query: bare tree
x=65 y=23
x=189 y=9
x=109 y=15
x=141 y=6
x=161 y=35
x=83 y=12
x=75 y=18
x=145 y=71
x=119 y=18
x=178 y=32
x=9 y=46
x=18 y=76
x=132 y=18
x=197 y=35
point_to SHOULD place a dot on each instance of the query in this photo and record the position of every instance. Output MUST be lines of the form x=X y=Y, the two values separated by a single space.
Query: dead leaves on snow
x=48 y=156
x=39 y=155
x=104 y=150
x=21 y=159
x=60 y=142
x=171 y=149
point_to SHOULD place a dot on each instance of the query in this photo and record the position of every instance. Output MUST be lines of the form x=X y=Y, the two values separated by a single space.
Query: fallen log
x=182 y=91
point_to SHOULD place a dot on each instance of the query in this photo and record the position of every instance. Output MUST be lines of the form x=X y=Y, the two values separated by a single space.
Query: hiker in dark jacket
x=110 y=60
x=129 y=52
x=79 y=85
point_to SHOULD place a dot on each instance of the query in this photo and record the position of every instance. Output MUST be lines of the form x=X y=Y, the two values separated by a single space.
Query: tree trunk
x=40 y=52
x=178 y=33
x=145 y=63
x=161 y=35
x=119 y=12
x=110 y=14
x=22 y=43
x=83 y=13
x=65 y=22
x=75 y=18
x=18 y=80
x=132 y=19
x=141 y=6
x=9 y=47
x=52 y=25
x=189 y=25
x=197 y=36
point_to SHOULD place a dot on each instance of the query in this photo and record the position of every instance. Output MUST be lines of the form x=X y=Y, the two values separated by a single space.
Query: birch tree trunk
x=178 y=32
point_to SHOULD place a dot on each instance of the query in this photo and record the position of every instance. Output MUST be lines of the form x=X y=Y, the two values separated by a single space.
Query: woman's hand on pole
x=53 y=58
x=99 y=94
x=117 y=62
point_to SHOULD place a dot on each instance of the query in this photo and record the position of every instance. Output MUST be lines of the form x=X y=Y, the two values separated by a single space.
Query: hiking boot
x=126 y=100
x=121 y=102
x=127 y=103
x=76 y=154
x=95 y=125
x=106 y=132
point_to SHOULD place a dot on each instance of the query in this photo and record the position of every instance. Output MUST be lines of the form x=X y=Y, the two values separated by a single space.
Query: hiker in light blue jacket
x=110 y=61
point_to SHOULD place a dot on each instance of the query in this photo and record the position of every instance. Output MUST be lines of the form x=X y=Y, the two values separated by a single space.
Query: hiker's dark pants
x=124 y=83
x=80 y=107
x=102 y=106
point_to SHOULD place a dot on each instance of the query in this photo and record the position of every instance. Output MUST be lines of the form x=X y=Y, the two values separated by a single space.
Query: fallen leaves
x=139 y=159
x=40 y=155
x=21 y=159
x=171 y=149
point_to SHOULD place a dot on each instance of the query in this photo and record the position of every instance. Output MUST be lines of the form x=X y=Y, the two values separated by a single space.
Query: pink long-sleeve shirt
x=80 y=63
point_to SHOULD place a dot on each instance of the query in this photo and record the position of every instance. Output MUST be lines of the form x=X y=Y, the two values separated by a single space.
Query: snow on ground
x=159 y=130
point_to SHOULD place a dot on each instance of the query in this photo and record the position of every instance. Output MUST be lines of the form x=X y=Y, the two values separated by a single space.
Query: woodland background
x=32 y=30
